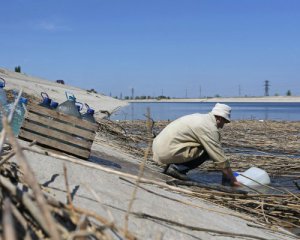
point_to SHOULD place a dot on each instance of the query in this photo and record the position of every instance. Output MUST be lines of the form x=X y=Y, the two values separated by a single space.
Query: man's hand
x=228 y=174
x=236 y=184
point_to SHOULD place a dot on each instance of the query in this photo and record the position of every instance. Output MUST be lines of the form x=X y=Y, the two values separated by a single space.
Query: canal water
x=240 y=111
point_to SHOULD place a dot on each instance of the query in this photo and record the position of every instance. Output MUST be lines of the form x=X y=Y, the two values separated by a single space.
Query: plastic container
x=69 y=107
x=45 y=100
x=48 y=102
x=3 y=98
x=79 y=106
x=53 y=104
x=18 y=116
x=89 y=114
x=253 y=177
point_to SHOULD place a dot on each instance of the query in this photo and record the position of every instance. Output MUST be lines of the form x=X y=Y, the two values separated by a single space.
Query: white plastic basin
x=253 y=177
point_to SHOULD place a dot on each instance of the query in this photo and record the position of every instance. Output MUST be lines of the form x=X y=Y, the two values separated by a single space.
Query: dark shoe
x=225 y=181
x=165 y=169
x=173 y=172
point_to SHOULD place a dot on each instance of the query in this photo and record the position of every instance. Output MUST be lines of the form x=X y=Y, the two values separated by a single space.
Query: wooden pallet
x=58 y=131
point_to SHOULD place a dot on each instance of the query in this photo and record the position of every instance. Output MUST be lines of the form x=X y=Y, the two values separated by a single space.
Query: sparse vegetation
x=60 y=81
x=143 y=97
x=18 y=69
x=92 y=90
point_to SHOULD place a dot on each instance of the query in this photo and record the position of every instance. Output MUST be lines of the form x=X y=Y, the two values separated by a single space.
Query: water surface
x=240 y=111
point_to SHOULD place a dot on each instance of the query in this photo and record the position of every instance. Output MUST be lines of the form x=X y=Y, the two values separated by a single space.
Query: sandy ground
x=169 y=214
x=34 y=86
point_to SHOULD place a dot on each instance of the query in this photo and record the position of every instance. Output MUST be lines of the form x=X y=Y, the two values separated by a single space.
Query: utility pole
x=200 y=91
x=240 y=90
x=132 y=93
x=267 y=85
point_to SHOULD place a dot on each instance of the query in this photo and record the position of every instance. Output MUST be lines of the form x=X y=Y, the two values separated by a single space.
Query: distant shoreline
x=279 y=99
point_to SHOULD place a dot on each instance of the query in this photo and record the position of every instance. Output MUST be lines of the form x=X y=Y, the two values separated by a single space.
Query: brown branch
x=94 y=215
x=24 y=199
x=7 y=221
x=31 y=181
x=69 y=198
x=141 y=172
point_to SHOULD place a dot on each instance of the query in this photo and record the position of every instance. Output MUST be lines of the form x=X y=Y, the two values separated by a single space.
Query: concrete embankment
x=157 y=212
x=105 y=185
x=34 y=86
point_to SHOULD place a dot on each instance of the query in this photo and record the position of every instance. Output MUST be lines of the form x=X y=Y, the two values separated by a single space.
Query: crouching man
x=191 y=140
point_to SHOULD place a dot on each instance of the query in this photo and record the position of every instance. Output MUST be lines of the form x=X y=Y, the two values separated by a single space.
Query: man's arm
x=229 y=175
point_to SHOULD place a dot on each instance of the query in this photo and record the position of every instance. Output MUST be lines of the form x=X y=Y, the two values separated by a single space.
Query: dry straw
x=277 y=141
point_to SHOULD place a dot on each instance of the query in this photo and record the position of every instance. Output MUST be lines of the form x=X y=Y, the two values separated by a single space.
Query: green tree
x=18 y=69
x=289 y=93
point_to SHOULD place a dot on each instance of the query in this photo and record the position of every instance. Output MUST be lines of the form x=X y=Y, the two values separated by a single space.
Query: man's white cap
x=222 y=110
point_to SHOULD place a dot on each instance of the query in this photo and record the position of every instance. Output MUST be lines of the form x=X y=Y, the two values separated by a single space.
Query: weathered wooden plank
x=59 y=125
x=61 y=116
x=52 y=133
x=54 y=144
x=58 y=131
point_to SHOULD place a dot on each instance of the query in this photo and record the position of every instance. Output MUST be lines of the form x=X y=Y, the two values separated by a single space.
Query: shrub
x=18 y=69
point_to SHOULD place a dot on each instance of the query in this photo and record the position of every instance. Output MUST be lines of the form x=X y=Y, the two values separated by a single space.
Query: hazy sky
x=175 y=47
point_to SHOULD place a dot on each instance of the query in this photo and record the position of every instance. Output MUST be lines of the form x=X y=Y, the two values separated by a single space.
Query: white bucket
x=259 y=176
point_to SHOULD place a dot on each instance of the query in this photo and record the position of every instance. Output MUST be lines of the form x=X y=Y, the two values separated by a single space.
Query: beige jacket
x=187 y=138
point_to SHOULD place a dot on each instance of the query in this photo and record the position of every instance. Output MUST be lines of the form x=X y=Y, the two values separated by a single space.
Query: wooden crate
x=58 y=131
